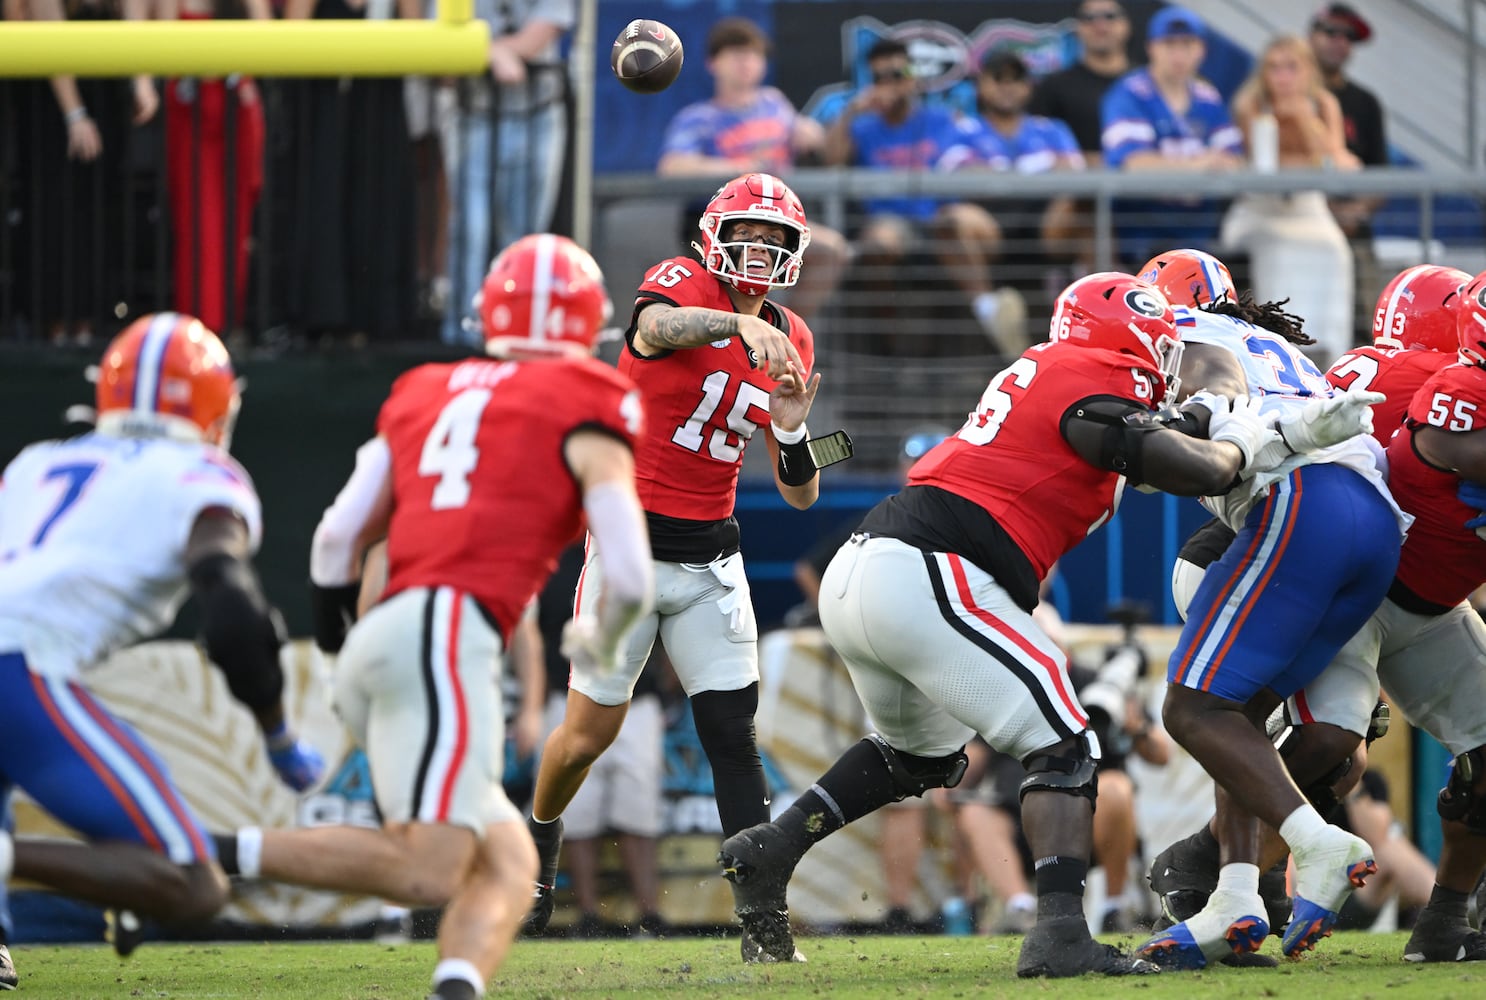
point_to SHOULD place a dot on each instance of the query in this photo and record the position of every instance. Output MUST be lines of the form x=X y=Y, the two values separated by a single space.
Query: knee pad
x=1072 y=774
x=1459 y=801
x=914 y=775
x=724 y=721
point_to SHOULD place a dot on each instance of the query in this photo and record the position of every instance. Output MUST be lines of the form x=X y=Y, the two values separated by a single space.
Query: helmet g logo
x=1145 y=303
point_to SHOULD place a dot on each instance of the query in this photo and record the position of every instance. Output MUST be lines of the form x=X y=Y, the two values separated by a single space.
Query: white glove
x=583 y=646
x=1322 y=423
x=1240 y=423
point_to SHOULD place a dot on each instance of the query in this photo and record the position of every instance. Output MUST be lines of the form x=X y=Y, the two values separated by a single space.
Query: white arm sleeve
x=618 y=528
x=333 y=555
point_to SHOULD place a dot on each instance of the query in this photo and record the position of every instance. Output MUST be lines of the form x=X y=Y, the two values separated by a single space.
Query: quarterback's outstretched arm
x=356 y=519
x=660 y=327
x=605 y=470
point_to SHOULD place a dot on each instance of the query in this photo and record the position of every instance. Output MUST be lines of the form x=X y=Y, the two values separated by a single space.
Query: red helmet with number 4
x=1418 y=309
x=543 y=296
x=1118 y=312
x=1470 y=322
x=1189 y=277
x=167 y=375
x=754 y=198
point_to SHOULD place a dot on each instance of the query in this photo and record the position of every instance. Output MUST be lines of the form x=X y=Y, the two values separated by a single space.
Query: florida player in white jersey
x=1425 y=645
x=102 y=538
x=718 y=362
x=930 y=602
x=481 y=472
x=1415 y=335
x=1318 y=541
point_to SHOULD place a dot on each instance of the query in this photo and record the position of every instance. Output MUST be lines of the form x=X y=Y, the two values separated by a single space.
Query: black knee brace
x=914 y=775
x=1459 y=801
x=1075 y=774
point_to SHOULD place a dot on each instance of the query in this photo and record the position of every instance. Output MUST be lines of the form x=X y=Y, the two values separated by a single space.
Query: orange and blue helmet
x=1189 y=277
x=167 y=375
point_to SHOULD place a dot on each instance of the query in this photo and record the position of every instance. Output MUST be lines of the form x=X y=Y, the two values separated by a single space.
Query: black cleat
x=1060 y=947
x=8 y=977
x=548 y=838
x=124 y=930
x=759 y=862
x=753 y=954
x=1436 y=939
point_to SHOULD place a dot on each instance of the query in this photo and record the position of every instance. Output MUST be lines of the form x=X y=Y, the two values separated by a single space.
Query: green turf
x=1351 y=966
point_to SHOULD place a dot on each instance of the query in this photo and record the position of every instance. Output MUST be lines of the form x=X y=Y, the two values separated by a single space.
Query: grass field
x=1352 y=966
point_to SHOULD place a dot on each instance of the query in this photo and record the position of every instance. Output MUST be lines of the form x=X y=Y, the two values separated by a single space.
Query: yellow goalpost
x=454 y=44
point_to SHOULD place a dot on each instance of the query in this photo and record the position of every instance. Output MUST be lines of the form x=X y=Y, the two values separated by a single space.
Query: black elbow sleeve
x=240 y=630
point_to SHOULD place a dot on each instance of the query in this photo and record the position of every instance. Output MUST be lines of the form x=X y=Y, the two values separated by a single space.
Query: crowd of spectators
x=387 y=197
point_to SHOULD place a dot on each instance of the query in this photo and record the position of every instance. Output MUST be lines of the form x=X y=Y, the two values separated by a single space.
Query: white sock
x=7 y=856
x=250 y=851
x=1239 y=878
x=1302 y=827
x=458 y=968
x=984 y=306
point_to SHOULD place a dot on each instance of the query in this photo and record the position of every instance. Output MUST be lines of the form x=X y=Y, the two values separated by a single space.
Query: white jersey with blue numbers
x=1283 y=380
x=93 y=534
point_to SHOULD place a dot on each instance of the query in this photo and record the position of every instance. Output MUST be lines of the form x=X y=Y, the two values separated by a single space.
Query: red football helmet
x=168 y=375
x=1470 y=322
x=544 y=295
x=1189 y=277
x=756 y=198
x=1119 y=312
x=1418 y=309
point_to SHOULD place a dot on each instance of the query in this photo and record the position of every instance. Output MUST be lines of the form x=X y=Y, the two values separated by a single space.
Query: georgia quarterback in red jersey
x=481 y=472
x=718 y=362
x=1413 y=337
x=929 y=603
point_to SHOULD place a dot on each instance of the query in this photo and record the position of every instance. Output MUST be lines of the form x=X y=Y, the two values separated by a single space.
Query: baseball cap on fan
x=1345 y=17
x=1175 y=22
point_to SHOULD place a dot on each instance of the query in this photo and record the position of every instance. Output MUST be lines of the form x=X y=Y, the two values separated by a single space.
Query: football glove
x=299 y=764
x=1238 y=422
x=1473 y=495
x=582 y=644
x=1322 y=423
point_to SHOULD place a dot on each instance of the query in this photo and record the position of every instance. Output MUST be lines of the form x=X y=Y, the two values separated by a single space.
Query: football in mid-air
x=646 y=56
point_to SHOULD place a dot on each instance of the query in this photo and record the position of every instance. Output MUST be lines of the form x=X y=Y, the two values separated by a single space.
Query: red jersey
x=483 y=499
x=702 y=404
x=1011 y=458
x=1442 y=560
x=1397 y=373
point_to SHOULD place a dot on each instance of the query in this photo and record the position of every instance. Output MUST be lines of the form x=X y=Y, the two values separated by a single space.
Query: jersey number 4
x=449 y=451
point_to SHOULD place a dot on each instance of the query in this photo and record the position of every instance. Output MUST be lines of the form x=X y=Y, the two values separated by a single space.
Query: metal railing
x=901 y=347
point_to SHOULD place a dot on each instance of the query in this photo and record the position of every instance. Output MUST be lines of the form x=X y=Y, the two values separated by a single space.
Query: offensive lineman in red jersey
x=929 y=603
x=717 y=361
x=481 y=472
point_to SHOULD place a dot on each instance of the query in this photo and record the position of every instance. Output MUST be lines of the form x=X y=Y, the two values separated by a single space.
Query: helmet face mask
x=544 y=296
x=1118 y=312
x=166 y=375
x=1418 y=309
x=1190 y=277
x=1470 y=322
x=756 y=198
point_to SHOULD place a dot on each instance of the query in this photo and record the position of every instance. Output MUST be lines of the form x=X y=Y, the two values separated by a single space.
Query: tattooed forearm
x=686 y=326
